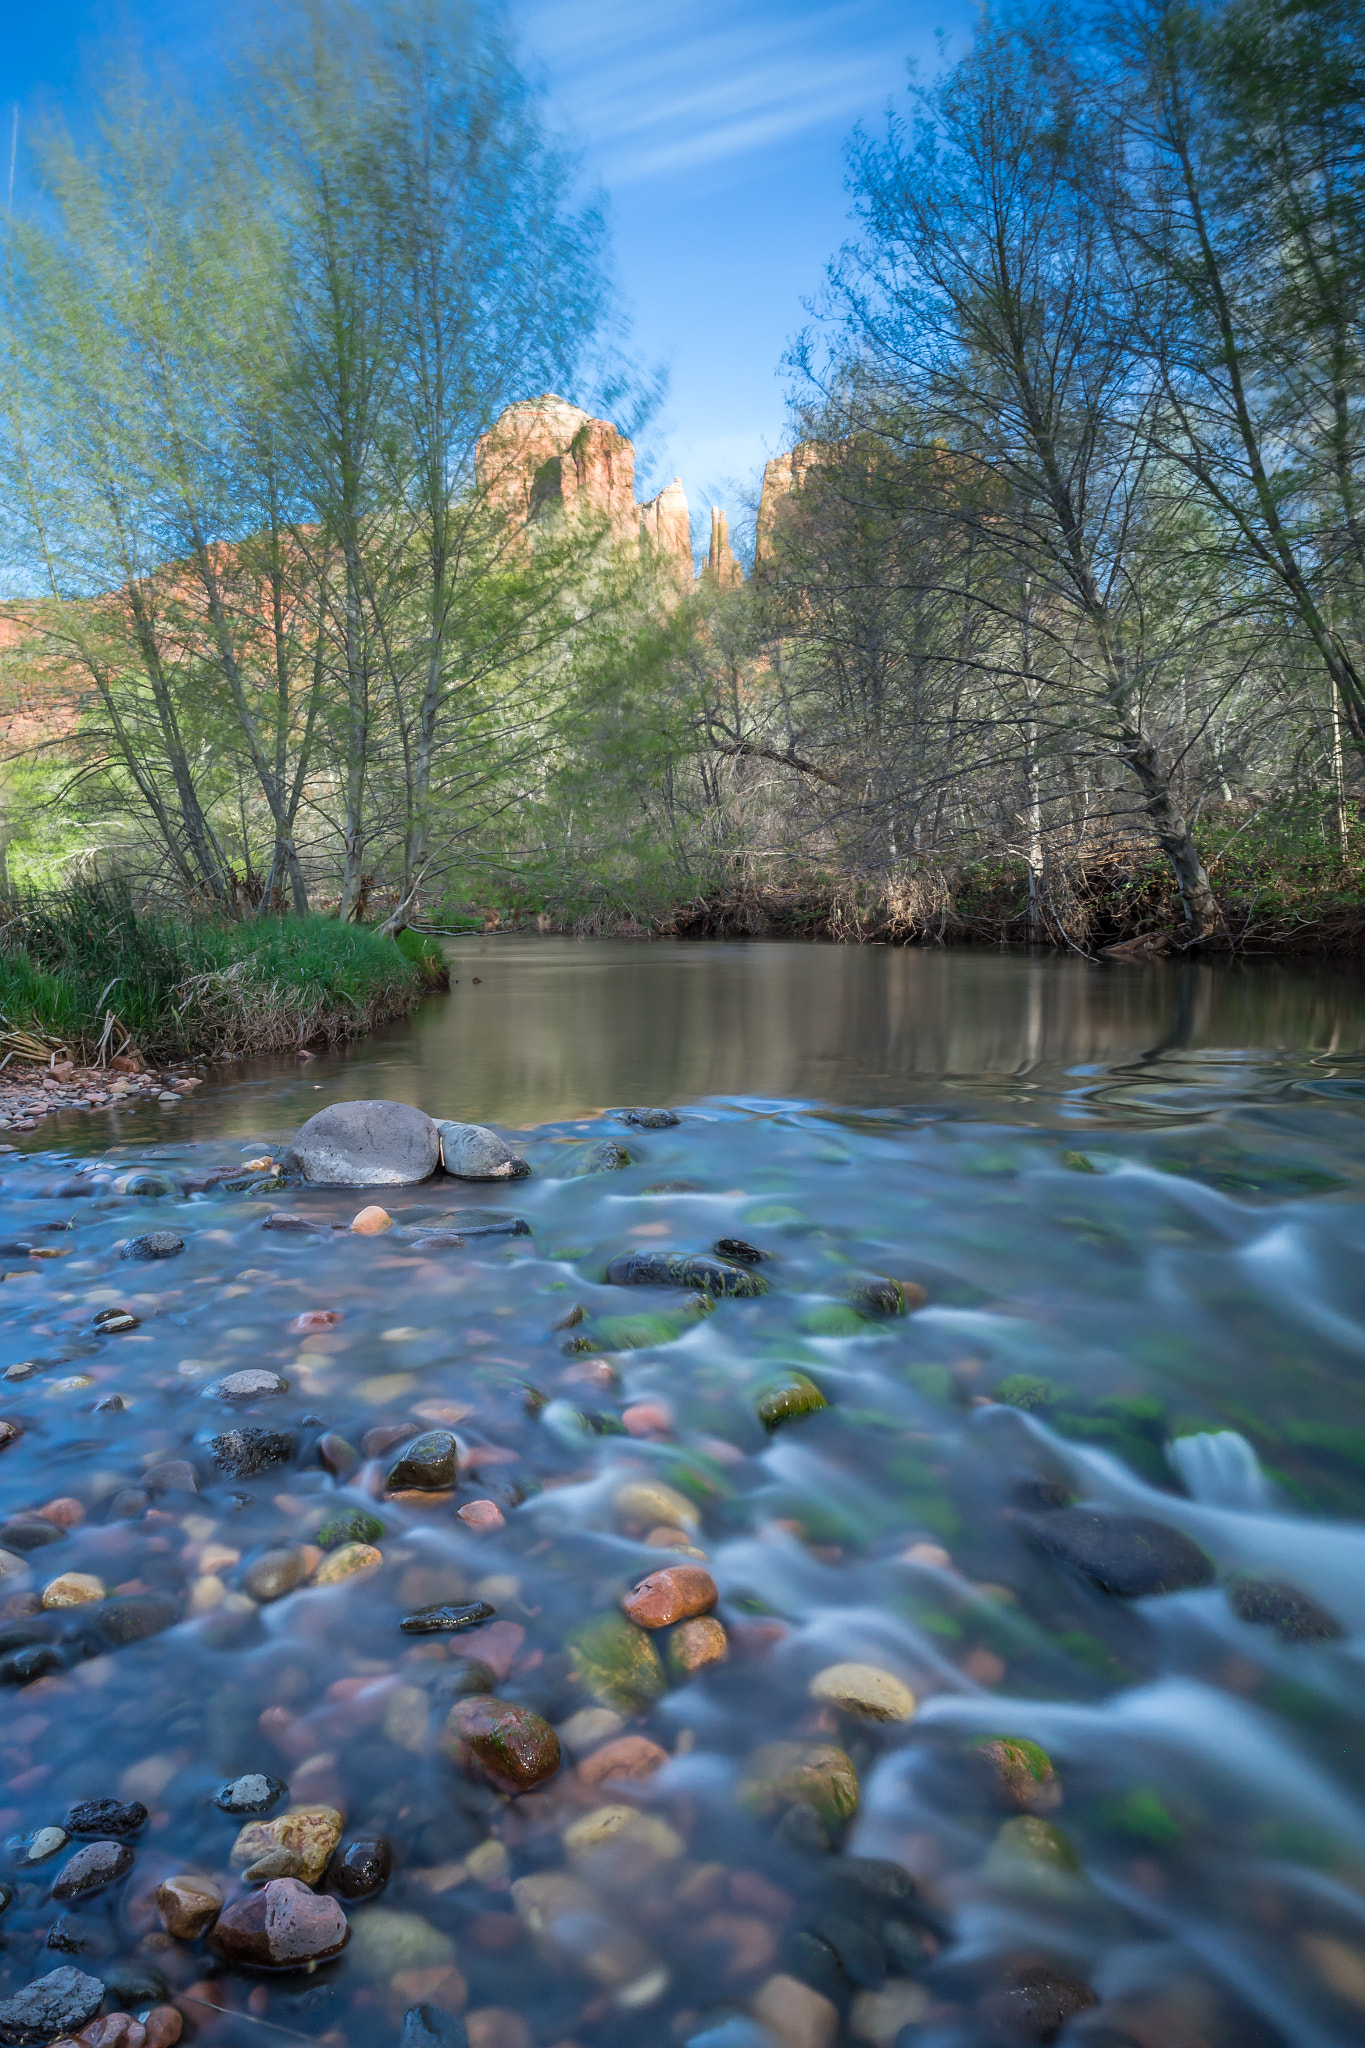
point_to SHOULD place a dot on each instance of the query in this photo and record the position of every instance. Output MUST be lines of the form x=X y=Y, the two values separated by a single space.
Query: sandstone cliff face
x=722 y=567
x=666 y=528
x=782 y=478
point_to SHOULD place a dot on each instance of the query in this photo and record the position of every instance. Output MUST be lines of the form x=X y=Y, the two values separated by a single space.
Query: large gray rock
x=366 y=1145
x=470 y=1152
x=58 y=2003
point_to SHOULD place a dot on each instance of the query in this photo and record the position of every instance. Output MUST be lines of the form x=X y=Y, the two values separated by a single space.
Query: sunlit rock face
x=782 y=478
x=666 y=528
x=722 y=565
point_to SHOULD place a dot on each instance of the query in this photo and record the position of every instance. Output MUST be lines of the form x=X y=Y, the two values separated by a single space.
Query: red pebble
x=315 y=1319
x=647 y=1418
x=115 y=2030
x=481 y=1514
x=164 y=2026
x=64 y=1513
x=676 y=1593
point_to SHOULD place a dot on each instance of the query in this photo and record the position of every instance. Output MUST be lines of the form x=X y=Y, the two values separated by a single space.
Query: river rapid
x=1124 y=1209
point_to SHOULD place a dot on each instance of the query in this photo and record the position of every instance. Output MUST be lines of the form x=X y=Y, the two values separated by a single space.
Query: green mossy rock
x=818 y=1774
x=1024 y=1390
x=355 y=1527
x=875 y=1295
x=1027 y=1849
x=787 y=1399
x=1021 y=1773
x=833 y=1319
x=617 y=1663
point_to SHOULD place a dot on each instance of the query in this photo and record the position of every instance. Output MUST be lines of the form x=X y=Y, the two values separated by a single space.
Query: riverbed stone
x=426 y=2026
x=346 y=1562
x=255 y=1792
x=481 y=1515
x=676 y=1593
x=361 y=1867
x=91 y=1868
x=73 y=1589
x=59 y=2003
x=155 y=1244
x=648 y=1503
x=787 y=1400
x=684 y=1269
x=1295 y=1618
x=337 y=1456
x=1029 y=1848
x=388 y=1944
x=695 y=1644
x=274 y=1863
x=1035 y=2003
x=254 y=1384
x=108 y=1817
x=617 y=1663
x=171 y=1475
x=472 y=1152
x=606 y=1156
x=865 y=1690
x=285 y=1925
x=651 y=1119
x=242 y=1453
x=354 y=1526
x=1130 y=1556
x=311 y=1831
x=626 y=1756
x=510 y=1747
x=1020 y=1773
x=795 y=2015
x=429 y=1464
x=876 y=1295
x=275 y=1573
x=366 y=1144
x=187 y=1904
x=818 y=1775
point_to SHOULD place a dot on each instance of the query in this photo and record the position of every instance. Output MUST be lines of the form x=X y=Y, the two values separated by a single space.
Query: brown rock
x=544 y=458
x=274 y=1863
x=676 y=1593
x=187 y=1905
x=496 y=2026
x=696 y=1644
x=794 y=2015
x=629 y=1756
x=115 y=2030
x=509 y=1746
x=312 y=1831
x=372 y=1221
x=164 y=2025
x=282 y=1927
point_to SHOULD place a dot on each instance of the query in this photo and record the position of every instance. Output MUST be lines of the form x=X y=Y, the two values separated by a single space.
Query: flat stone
x=115 y=1817
x=171 y=1475
x=242 y=1453
x=695 y=1644
x=46 y=1842
x=1270 y=1603
x=445 y=1617
x=255 y=1384
x=275 y=1863
x=346 y=1562
x=59 y=2003
x=254 y=1792
x=684 y=1269
x=274 y=1574
x=312 y=1832
x=156 y=1244
x=472 y=1152
x=133 y=1617
x=91 y=1868
x=366 y=1144
x=481 y=1514
x=651 y=1119
x=429 y=1464
x=73 y=1589
x=187 y=1905
x=1130 y=1556
x=676 y=1593
x=617 y=1663
x=507 y=1745
x=282 y=1926
x=361 y=1868
x=628 y=1756
x=865 y=1690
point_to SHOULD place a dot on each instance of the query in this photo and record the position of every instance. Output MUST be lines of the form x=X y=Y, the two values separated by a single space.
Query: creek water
x=1126 y=1205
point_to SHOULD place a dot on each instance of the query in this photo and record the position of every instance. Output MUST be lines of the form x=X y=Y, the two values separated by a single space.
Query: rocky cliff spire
x=722 y=567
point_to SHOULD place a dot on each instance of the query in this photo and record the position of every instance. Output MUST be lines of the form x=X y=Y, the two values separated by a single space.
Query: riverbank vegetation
x=1055 y=626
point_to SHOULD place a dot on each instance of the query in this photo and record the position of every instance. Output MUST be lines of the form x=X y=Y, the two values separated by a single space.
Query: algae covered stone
x=695 y=1644
x=684 y=1269
x=865 y=1690
x=1021 y=1773
x=346 y=1562
x=508 y=1745
x=649 y=1504
x=617 y=1663
x=807 y=1774
x=788 y=1398
x=1028 y=1849
x=355 y=1526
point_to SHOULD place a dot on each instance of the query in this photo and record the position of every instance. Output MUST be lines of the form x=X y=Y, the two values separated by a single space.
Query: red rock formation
x=783 y=476
x=666 y=528
x=722 y=567
x=545 y=456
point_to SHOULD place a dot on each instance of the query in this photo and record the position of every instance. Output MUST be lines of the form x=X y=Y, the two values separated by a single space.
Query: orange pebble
x=647 y=1418
x=323 y=1318
x=64 y=1512
x=675 y=1593
x=370 y=1222
x=481 y=1514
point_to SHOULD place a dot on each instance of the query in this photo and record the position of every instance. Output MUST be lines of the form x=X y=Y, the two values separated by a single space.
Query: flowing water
x=1126 y=1205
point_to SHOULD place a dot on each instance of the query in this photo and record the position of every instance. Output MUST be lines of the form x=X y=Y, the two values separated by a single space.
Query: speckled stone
x=283 y=1926
x=312 y=1831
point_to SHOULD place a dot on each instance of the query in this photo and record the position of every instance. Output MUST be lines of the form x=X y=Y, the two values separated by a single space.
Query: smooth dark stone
x=814 y=1962
x=1041 y=1494
x=26 y=1535
x=131 y=1985
x=20 y=1667
x=241 y=1453
x=106 y=1817
x=651 y=1119
x=111 y=1320
x=254 y=1792
x=802 y=1830
x=461 y=1678
x=738 y=1250
x=683 y=1269
x=336 y=1456
x=445 y=1616
x=872 y=1879
x=1128 y=1555
x=604 y=1157
x=91 y=1868
x=60 y=2003
x=426 y=2026
x=111 y=1404
x=70 y=1936
x=132 y=1617
x=1036 y=2005
x=18 y=1634
x=361 y=1868
x=483 y=1223
x=859 y=1952
x=156 y=1244
x=171 y=1475
x=1269 y=1603
x=428 y=1464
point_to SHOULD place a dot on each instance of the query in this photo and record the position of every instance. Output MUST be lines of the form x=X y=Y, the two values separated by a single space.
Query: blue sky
x=717 y=132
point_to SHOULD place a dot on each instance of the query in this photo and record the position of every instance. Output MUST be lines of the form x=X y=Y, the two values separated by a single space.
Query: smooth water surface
x=1131 y=1198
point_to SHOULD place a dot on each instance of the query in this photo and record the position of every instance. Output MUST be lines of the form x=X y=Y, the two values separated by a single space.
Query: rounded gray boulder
x=366 y=1145
x=471 y=1152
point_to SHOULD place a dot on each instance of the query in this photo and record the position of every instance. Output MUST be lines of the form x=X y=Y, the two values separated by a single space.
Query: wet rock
x=802 y=1832
x=1270 y=1603
x=274 y=1863
x=336 y=1456
x=471 y=1152
x=114 y=1321
x=875 y=1295
x=59 y=2003
x=10 y=1433
x=70 y=1935
x=360 y=1868
x=312 y=1832
x=242 y=1453
x=864 y=1690
x=426 y=2026
x=482 y=1515
x=253 y=1385
x=604 y=1157
x=620 y=1847
x=156 y=1244
x=856 y=1948
x=255 y=1792
x=676 y=1593
x=650 y=1119
x=880 y=2016
x=129 y=1503
x=27 y=1533
x=46 y=1842
x=163 y=2026
x=365 y=1144
x=355 y=1526
x=388 y=1945
x=110 y=1404
x=628 y=1756
x=696 y=1644
x=507 y=1745
x=1041 y=1494
x=119 y=1818
x=810 y=1774
x=684 y=1269
x=172 y=1475
x=648 y=1503
x=133 y=1617
x=187 y=1904
x=274 y=1574
x=1127 y=1555
x=91 y=1868
x=483 y=1223
x=1035 y=2004
x=794 y=2014
x=462 y=1676
x=371 y=1222
x=280 y=1219
x=738 y=1251
x=283 y=1926
x=429 y=1464
x=617 y=1663
x=446 y=1616
x=346 y=1562
x=787 y=1399
x=1029 y=1848
x=1020 y=1773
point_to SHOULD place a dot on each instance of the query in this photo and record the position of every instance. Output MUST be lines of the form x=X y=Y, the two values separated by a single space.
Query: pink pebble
x=481 y=1514
x=164 y=2025
x=65 y=1512
x=495 y=1644
x=115 y=2030
x=647 y=1418
x=315 y=1319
